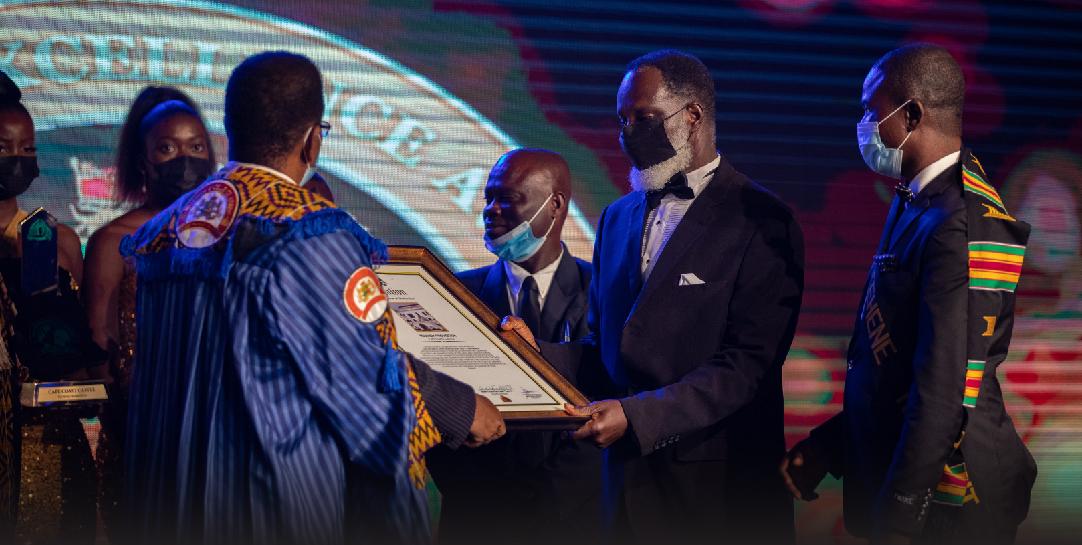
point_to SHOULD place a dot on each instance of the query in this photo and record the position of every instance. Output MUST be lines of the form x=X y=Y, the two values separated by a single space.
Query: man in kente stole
x=924 y=446
x=270 y=402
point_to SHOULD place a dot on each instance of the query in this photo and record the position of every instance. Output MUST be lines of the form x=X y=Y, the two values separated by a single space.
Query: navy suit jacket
x=696 y=367
x=565 y=303
x=526 y=487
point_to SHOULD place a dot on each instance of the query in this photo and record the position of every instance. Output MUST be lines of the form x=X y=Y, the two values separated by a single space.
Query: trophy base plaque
x=52 y=394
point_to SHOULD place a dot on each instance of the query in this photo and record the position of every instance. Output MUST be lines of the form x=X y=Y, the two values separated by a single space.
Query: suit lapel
x=912 y=212
x=921 y=201
x=635 y=228
x=557 y=299
x=887 y=230
x=699 y=215
x=494 y=291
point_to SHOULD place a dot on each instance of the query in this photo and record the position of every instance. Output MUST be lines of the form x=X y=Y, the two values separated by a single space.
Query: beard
x=655 y=177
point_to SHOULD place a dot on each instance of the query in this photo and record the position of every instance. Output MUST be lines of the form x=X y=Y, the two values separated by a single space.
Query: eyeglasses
x=625 y=122
x=324 y=128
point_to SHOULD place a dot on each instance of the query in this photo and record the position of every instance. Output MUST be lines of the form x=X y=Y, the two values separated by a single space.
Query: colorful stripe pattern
x=974 y=374
x=973 y=182
x=994 y=266
x=954 y=487
x=424 y=435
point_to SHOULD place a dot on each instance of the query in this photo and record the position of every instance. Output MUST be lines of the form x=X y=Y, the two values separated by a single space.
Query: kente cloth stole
x=231 y=193
x=996 y=247
x=424 y=434
x=954 y=487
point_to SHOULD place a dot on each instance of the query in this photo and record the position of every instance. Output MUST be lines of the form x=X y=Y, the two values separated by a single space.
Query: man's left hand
x=607 y=421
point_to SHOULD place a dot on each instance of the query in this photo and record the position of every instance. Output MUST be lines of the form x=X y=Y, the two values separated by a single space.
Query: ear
x=914 y=114
x=559 y=203
x=697 y=115
x=311 y=147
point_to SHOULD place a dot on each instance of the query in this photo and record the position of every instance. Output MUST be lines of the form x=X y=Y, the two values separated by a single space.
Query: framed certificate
x=441 y=322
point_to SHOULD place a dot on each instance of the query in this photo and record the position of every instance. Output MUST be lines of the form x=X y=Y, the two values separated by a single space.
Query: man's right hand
x=803 y=468
x=512 y=323
x=487 y=424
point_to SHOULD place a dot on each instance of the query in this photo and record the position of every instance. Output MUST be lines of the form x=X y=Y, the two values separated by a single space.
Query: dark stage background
x=425 y=95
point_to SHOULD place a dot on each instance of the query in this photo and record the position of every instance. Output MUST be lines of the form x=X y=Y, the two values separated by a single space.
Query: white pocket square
x=689 y=279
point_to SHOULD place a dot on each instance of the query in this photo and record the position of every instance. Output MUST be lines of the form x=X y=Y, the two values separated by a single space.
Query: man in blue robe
x=270 y=403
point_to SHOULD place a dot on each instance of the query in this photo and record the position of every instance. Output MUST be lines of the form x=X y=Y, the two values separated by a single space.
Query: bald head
x=534 y=186
x=540 y=169
x=926 y=73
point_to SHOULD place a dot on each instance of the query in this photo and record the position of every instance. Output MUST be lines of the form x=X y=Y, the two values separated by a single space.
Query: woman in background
x=164 y=152
x=54 y=468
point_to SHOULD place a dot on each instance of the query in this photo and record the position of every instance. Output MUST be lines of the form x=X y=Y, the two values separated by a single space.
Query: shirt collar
x=697 y=179
x=931 y=171
x=261 y=167
x=516 y=274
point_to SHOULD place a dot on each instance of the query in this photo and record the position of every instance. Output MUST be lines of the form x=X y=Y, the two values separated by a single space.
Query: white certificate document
x=432 y=326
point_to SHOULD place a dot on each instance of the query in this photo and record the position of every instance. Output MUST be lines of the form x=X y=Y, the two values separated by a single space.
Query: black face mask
x=178 y=176
x=16 y=173
x=646 y=143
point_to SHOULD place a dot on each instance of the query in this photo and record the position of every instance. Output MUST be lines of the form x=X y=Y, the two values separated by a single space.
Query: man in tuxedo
x=923 y=445
x=698 y=276
x=527 y=487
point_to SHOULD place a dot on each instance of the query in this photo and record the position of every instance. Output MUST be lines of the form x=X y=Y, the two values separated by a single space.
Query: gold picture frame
x=441 y=322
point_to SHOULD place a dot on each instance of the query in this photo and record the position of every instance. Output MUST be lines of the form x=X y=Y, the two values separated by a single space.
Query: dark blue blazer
x=526 y=487
x=696 y=366
x=565 y=304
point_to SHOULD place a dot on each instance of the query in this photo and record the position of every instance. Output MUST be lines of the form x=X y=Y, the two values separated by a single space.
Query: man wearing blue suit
x=698 y=276
x=527 y=487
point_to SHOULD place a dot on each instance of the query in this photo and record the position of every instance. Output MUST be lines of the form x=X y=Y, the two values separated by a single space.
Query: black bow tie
x=676 y=186
x=904 y=193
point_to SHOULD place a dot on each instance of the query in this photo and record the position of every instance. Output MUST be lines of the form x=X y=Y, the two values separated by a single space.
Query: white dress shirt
x=662 y=221
x=516 y=275
x=920 y=181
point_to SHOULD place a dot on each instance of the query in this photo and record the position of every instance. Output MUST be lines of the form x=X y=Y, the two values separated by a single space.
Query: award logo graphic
x=403 y=151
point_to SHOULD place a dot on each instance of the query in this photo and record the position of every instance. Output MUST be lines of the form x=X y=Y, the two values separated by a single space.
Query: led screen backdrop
x=425 y=95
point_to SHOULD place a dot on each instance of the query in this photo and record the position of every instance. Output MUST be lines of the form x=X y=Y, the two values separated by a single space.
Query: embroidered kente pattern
x=974 y=374
x=954 y=487
x=267 y=196
x=994 y=266
x=386 y=330
x=261 y=194
x=424 y=435
x=993 y=213
x=164 y=240
x=975 y=183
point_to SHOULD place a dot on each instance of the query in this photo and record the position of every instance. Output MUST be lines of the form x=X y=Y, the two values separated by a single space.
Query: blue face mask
x=878 y=157
x=519 y=244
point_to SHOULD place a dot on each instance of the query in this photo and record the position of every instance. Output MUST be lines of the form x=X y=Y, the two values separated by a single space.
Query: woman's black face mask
x=178 y=176
x=16 y=173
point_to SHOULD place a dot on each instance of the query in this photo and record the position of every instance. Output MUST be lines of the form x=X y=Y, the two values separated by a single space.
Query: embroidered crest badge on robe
x=364 y=297
x=208 y=215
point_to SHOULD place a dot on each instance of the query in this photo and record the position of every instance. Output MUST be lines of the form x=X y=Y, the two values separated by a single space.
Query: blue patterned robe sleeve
x=337 y=355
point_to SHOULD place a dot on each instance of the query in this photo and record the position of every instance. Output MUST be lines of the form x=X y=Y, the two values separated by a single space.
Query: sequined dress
x=114 y=415
x=57 y=477
x=9 y=403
